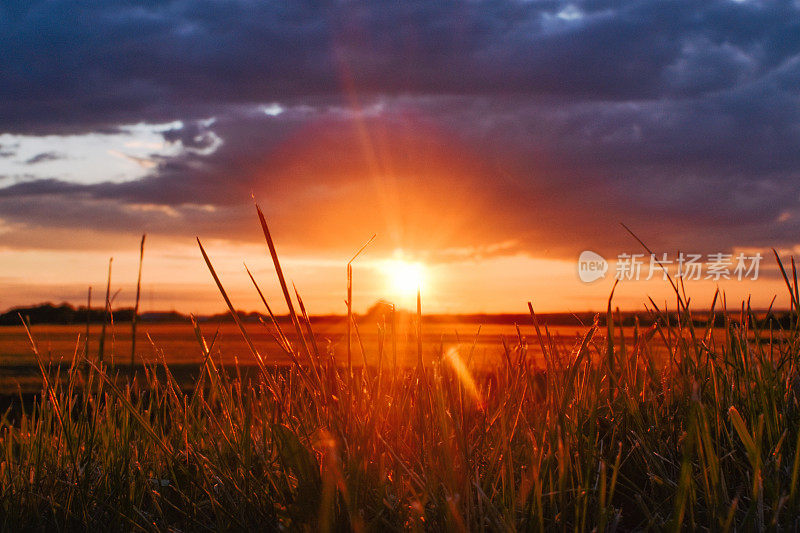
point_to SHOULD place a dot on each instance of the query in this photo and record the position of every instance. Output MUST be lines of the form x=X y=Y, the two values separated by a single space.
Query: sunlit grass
x=600 y=435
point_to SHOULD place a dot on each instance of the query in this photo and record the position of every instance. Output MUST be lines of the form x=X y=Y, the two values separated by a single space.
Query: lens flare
x=464 y=375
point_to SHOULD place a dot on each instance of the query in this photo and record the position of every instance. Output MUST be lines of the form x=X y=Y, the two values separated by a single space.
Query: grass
x=603 y=436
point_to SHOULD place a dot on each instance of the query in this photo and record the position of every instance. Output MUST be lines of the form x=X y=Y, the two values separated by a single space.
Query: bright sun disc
x=404 y=277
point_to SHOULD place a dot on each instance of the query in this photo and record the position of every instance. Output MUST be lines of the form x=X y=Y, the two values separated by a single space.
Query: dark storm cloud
x=538 y=123
x=551 y=178
x=44 y=157
x=191 y=135
x=8 y=150
x=68 y=66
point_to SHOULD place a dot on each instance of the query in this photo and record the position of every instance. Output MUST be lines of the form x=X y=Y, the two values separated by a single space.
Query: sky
x=488 y=143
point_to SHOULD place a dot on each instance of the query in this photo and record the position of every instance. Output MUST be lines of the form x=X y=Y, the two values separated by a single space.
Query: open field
x=179 y=343
x=176 y=344
x=559 y=432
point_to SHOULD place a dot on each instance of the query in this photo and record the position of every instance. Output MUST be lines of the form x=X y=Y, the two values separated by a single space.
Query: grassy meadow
x=665 y=427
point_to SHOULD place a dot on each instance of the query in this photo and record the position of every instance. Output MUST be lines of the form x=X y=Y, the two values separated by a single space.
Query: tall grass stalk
x=135 y=316
x=349 y=303
x=88 y=322
x=106 y=314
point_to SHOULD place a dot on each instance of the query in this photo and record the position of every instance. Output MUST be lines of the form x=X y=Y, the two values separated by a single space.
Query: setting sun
x=403 y=278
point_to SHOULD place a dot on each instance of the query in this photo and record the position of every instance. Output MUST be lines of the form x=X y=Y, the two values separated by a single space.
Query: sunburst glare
x=403 y=279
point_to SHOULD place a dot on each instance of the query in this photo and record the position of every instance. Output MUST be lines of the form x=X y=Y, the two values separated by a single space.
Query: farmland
x=176 y=344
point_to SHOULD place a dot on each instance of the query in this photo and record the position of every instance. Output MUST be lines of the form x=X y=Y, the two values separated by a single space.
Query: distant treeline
x=49 y=313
